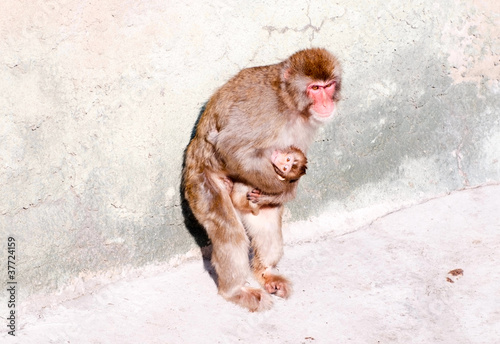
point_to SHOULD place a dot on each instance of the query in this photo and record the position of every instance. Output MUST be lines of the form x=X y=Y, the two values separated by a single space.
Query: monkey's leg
x=212 y=206
x=255 y=209
x=267 y=244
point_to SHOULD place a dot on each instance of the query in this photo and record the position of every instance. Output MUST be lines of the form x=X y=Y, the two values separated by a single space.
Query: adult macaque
x=289 y=166
x=260 y=110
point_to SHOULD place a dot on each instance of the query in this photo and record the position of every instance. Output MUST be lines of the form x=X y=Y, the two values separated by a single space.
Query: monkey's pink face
x=282 y=161
x=321 y=94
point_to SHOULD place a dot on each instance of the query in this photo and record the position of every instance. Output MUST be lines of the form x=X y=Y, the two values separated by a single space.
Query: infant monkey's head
x=289 y=164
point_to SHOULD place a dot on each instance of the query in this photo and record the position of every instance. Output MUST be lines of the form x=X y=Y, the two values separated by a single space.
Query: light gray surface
x=381 y=283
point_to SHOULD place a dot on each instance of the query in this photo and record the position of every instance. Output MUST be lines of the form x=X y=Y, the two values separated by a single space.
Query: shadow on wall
x=193 y=226
x=196 y=230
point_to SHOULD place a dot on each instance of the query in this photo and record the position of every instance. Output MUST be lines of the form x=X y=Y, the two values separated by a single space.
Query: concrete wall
x=98 y=102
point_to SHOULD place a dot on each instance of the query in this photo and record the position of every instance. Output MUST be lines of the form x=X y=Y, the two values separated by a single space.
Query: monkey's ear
x=286 y=73
x=286 y=70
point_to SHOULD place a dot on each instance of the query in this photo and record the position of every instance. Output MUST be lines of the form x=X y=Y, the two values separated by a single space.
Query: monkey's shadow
x=196 y=230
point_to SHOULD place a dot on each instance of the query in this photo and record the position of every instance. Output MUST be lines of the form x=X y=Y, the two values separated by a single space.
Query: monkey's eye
x=285 y=168
x=288 y=159
x=315 y=87
x=330 y=84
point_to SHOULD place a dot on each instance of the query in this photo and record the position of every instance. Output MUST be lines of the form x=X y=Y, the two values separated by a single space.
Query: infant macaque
x=289 y=165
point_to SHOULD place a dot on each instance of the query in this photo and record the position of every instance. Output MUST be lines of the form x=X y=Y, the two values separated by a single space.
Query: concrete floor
x=387 y=282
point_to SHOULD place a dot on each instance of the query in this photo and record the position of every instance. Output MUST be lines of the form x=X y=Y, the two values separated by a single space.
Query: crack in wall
x=313 y=28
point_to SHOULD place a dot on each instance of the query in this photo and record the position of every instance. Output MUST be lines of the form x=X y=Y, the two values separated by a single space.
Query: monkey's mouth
x=324 y=111
x=279 y=173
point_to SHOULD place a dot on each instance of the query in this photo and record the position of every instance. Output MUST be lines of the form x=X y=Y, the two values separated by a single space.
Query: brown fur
x=248 y=199
x=256 y=112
